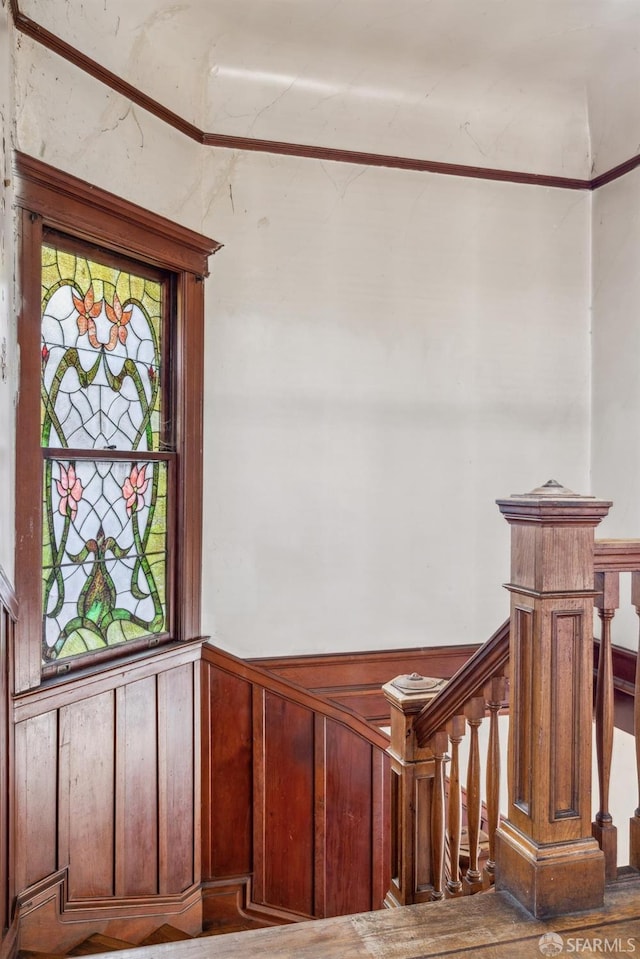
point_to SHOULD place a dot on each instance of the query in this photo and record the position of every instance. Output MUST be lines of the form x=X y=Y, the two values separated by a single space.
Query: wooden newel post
x=546 y=855
x=415 y=773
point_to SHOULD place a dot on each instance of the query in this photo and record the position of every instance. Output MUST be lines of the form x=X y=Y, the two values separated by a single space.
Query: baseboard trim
x=241 y=886
x=48 y=919
x=9 y=944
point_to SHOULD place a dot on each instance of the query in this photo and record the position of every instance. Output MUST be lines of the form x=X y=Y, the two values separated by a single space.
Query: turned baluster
x=607 y=601
x=634 y=825
x=474 y=712
x=496 y=693
x=439 y=747
x=457 y=728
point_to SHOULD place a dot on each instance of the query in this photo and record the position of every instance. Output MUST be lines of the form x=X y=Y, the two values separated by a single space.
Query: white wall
x=8 y=360
x=387 y=352
x=616 y=369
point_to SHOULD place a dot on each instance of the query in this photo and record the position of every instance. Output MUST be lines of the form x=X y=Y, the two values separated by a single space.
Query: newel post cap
x=555 y=505
x=409 y=693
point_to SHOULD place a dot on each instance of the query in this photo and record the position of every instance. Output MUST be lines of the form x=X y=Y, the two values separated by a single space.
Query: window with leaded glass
x=109 y=451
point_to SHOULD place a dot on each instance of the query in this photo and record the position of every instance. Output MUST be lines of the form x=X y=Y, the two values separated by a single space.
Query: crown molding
x=31 y=28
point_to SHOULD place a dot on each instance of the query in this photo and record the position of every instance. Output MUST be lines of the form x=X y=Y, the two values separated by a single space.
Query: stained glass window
x=106 y=453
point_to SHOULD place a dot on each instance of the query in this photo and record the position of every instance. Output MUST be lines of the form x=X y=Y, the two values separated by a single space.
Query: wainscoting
x=355 y=680
x=106 y=769
x=295 y=794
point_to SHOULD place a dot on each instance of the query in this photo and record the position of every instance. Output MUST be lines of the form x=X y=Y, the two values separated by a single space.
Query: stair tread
x=165 y=933
x=31 y=954
x=99 y=943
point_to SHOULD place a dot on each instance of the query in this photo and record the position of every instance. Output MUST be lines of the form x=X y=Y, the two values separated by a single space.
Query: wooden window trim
x=50 y=199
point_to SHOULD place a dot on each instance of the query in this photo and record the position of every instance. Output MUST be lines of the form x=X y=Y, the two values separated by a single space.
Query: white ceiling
x=544 y=86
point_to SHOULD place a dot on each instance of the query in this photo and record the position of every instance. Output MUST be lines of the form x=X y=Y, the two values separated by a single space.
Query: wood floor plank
x=489 y=926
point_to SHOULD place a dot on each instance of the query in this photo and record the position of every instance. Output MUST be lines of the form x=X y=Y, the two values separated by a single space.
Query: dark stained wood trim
x=336 y=766
x=8 y=598
x=617 y=555
x=68 y=52
x=28 y=511
x=395 y=162
x=100 y=909
x=72 y=205
x=292 y=691
x=330 y=672
x=76 y=687
x=189 y=409
x=490 y=658
x=54 y=43
x=50 y=198
x=9 y=945
x=354 y=680
x=320 y=816
x=259 y=763
x=616 y=172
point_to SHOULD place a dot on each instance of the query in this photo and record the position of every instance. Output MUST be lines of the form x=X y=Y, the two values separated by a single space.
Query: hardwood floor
x=491 y=926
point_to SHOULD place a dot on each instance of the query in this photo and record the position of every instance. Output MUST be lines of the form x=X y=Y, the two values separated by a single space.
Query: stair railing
x=427 y=731
x=611 y=558
x=544 y=851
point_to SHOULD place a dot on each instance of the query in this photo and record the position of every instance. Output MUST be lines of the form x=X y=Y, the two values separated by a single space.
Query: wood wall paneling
x=36 y=779
x=86 y=795
x=319 y=788
x=227 y=775
x=5 y=626
x=8 y=616
x=285 y=803
x=381 y=837
x=177 y=734
x=136 y=800
x=354 y=680
x=349 y=821
x=105 y=796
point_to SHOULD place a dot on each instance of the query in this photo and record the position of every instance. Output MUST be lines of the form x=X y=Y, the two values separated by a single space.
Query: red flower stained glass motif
x=119 y=318
x=70 y=491
x=134 y=488
x=88 y=309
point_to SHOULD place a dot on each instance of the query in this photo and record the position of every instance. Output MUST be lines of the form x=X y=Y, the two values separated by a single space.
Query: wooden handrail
x=616 y=555
x=294 y=693
x=486 y=662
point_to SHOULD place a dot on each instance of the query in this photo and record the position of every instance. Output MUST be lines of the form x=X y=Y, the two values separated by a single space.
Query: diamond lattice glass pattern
x=101 y=350
x=105 y=519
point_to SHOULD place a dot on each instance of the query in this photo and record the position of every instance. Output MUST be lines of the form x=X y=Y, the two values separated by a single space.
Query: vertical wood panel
x=348 y=821
x=36 y=743
x=523 y=731
x=565 y=715
x=320 y=817
x=136 y=813
x=381 y=828
x=227 y=776
x=28 y=508
x=288 y=757
x=176 y=779
x=87 y=732
x=5 y=625
x=258 y=698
